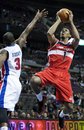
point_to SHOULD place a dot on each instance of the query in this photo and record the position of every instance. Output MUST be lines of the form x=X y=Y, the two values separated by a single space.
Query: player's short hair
x=8 y=38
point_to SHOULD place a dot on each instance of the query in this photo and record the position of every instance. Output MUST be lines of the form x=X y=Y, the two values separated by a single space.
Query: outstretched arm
x=50 y=34
x=30 y=26
x=74 y=31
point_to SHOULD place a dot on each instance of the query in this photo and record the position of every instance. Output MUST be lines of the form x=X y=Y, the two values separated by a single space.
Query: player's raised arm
x=50 y=34
x=74 y=31
x=39 y=15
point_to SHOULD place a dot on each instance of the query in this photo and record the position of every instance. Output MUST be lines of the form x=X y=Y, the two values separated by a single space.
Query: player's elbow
x=49 y=33
x=77 y=38
x=49 y=36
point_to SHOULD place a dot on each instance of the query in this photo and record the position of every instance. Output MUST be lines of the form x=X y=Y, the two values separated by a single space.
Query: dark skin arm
x=3 y=57
x=39 y=15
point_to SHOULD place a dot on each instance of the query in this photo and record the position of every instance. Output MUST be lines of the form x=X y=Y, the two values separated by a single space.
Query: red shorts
x=61 y=80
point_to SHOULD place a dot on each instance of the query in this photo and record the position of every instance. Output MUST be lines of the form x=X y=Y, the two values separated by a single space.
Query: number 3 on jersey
x=17 y=61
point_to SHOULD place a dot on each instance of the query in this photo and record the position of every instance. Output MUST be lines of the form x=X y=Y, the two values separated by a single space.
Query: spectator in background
x=28 y=116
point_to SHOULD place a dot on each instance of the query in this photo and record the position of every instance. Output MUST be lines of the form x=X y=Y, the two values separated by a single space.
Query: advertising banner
x=44 y=125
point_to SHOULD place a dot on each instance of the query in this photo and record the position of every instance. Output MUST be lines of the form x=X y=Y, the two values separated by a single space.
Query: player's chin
x=62 y=37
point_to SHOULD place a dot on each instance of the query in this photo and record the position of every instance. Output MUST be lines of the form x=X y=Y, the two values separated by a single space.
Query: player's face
x=65 y=33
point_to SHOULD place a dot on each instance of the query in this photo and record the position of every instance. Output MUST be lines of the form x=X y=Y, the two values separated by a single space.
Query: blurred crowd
x=51 y=107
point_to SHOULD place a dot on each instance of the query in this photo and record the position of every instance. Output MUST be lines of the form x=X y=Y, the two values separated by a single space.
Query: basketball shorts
x=59 y=79
x=10 y=92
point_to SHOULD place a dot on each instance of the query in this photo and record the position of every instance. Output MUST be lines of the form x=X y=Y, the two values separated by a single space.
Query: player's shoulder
x=4 y=54
x=70 y=40
x=3 y=51
x=18 y=42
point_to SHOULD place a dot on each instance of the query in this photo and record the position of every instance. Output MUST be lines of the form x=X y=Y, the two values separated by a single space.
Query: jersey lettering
x=17 y=61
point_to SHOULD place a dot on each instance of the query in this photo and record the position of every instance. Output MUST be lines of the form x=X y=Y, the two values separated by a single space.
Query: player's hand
x=41 y=14
x=57 y=17
x=70 y=16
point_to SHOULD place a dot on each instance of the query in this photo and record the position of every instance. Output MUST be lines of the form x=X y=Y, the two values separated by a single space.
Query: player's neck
x=64 y=40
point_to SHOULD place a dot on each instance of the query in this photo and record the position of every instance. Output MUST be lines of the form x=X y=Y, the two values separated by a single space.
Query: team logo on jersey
x=65 y=49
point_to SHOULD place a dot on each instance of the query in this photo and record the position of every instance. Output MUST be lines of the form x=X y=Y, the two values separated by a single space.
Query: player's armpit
x=21 y=41
x=3 y=57
x=75 y=43
x=52 y=39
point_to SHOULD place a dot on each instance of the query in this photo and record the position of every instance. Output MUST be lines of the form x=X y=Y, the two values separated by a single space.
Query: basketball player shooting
x=60 y=55
x=11 y=59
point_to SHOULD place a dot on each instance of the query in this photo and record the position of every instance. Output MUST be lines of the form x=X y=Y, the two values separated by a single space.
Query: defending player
x=11 y=59
x=60 y=55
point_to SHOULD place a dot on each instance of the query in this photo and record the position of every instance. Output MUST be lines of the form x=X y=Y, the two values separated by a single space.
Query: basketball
x=64 y=14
